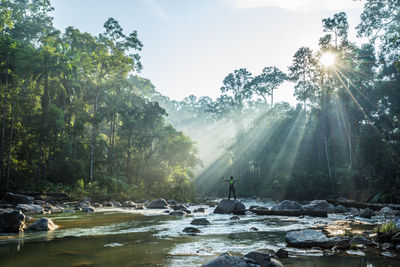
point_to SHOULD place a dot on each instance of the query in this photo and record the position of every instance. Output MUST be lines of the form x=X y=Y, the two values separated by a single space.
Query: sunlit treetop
x=327 y=59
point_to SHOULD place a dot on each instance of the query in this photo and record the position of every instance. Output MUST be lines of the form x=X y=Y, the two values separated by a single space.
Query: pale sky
x=190 y=46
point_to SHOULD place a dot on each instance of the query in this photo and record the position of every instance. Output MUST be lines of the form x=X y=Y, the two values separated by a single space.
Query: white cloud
x=156 y=8
x=299 y=5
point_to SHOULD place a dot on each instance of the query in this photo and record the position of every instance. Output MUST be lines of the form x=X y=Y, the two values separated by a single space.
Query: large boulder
x=30 y=208
x=260 y=258
x=319 y=205
x=366 y=213
x=129 y=204
x=308 y=238
x=43 y=224
x=158 y=204
x=227 y=206
x=227 y=260
x=12 y=221
x=17 y=199
x=387 y=211
x=287 y=205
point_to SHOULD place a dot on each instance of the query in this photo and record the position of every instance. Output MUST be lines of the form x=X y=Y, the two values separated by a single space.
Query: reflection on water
x=116 y=236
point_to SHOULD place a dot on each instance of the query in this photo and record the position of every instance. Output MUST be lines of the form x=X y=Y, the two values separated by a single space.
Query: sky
x=190 y=46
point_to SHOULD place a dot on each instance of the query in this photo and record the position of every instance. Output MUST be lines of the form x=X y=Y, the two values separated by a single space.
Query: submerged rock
x=366 y=213
x=17 y=199
x=288 y=205
x=234 y=218
x=200 y=210
x=12 y=221
x=227 y=206
x=308 y=238
x=158 y=204
x=30 y=208
x=191 y=230
x=177 y=213
x=200 y=221
x=182 y=207
x=43 y=224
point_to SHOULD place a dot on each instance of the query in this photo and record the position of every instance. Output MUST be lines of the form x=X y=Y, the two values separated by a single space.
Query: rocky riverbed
x=166 y=233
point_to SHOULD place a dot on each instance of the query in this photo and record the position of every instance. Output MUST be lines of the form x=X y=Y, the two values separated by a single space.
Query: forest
x=77 y=117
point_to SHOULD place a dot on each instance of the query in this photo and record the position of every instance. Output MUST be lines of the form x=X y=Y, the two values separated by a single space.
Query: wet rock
x=234 y=218
x=158 y=204
x=129 y=204
x=288 y=205
x=166 y=211
x=116 y=203
x=319 y=205
x=396 y=238
x=308 y=238
x=253 y=229
x=366 y=213
x=227 y=260
x=88 y=209
x=56 y=209
x=108 y=204
x=17 y=199
x=182 y=207
x=360 y=240
x=43 y=224
x=97 y=205
x=43 y=203
x=85 y=203
x=282 y=253
x=353 y=211
x=253 y=207
x=262 y=259
x=342 y=199
x=355 y=253
x=68 y=211
x=340 y=209
x=388 y=254
x=275 y=263
x=199 y=210
x=227 y=206
x=30 y=208
x=387 y=211
x=12 y=221
x=177 y=213
x=387 y=246
x=171 y=202
x=191 y=230
x=200 y=221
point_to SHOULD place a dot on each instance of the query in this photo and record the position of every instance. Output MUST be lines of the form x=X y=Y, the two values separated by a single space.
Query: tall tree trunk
x=9 y=151
x=93 y=138
x=128 y=158
x=328 y=163
x=3 y=130
x=272 y=98
x=350 y=149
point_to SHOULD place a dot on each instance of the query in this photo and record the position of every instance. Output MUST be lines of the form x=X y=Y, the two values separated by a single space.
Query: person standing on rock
x=231 y=188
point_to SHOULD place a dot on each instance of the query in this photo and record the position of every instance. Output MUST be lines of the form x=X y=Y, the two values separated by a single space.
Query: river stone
x=177 y=213
x=108 y=204
x=282 y=253
x=366 y=213
x=260 y=258
x=227 y=260
x=234 y=218
x=396 y=238
x=17 y=199
x=88 y=209
x=227 y=206
x=30 y=208
x=200 y=210
x=253 y=229
x=340 y=209
x=360 y=240
x=12 y=221
x=287 y=205
x=200 y=221
x=387 y=246
x=388 y=254
x=387 y=211
x=158 y=204
x=129 y=204
x=356 y=253
x=191 y=230
x=182 y=207
x=43 y=224
x=97 y=205
x=275 y=263
x=308 y=238
x=319 y=205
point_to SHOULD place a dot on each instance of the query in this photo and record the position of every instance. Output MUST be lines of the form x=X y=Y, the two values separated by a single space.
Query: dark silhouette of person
x=231 y=188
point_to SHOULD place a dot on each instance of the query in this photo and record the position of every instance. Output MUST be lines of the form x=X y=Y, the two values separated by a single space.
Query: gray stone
x=308 y=238
x=360 y=240
x=340 y=209
x=200 y=210
x=282 y=253
x=388 y=254
x=191 y=230
x=182 y=207
x=319 y=205
x=30 y=208
x=234 y=218
x=200 y=221
x=227 y=206
x=387 y=246
x=387 y=211
x=12 y=221
x=253 y=229
x=43 y=224
x=129 y=204
x=355 y=253
x=88 y=209
x=366 y=213
x=177 y=213
x=227 y=260
x=17 y=199
x=158 y=204
x=97 y=205
x=260 y=258
x=275 y=263
x=287 y=205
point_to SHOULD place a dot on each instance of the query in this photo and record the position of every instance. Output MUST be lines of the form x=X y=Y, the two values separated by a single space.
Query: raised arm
x=223 y=178
x=238 y=179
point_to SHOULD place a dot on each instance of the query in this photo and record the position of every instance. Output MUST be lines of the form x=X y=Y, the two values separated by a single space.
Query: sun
x=327 y=59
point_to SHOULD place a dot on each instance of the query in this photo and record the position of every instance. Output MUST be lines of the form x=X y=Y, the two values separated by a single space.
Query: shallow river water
x=125 y=237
